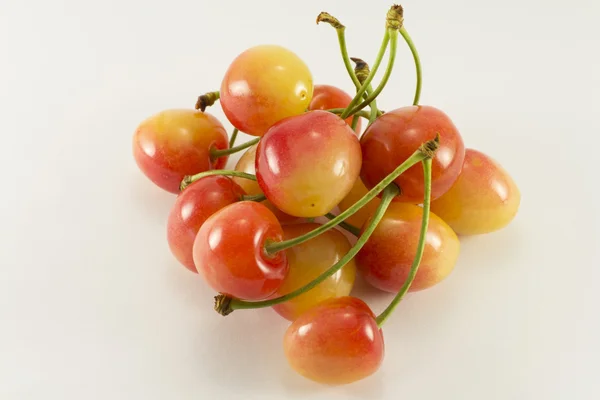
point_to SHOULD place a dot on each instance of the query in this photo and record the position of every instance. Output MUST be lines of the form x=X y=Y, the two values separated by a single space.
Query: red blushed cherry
x=335 y=342
x=396 y=135
x=192 y=208
x=307 y=164
x=326 y=97
x=229 y=251
x=174 y=143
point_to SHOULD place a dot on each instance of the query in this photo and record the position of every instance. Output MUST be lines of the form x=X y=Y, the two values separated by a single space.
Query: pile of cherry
x=406 y=188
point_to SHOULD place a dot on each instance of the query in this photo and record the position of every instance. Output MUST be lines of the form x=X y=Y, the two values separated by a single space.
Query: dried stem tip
x=207 y=100
x=429 y=148
x=361 y=69
x=185 y=182
x=395 y=17
x=330 y=19
x=223 y=305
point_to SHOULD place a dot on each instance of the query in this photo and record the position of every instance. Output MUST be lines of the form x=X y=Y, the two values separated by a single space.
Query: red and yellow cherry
x=326 y=97
x=229 y=251
x=307 y=164
x=386 y=259
x=307 y=261
x=263 y=85
x=483 y=199
x=192 y=208
x=357 y=193
x=246 y=163
x=336 y=342
x=396 y=135
x=174 y=143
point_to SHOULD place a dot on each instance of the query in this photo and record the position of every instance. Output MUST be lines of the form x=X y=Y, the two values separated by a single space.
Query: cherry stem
x=388 y=72
x=420 y=246
x=207 y=100
x=427 y=150
x=214 y=154
x=362 y=73
x=365 y=85
x=354 y=121
x=254 y=197
x=415 y=55
x=188 y=180
x=350 y=228
x=233 y=137
x=224 y=306
x=338 y=111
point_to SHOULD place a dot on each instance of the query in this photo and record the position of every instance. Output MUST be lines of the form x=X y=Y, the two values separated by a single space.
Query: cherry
x=192 y=208
x=483 y=199
x=229 y=251
x=326 y=97
x=385 y=260
x=263 y=85
x=174 y=143
x=306 y=164
x=394 y=136
x=336 y=342
x=309 y=260
x=246 y=163
x=355 y=194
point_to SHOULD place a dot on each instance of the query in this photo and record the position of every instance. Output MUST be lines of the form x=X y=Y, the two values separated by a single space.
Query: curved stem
x=350 y=228
x=386 y=76
x=254 y=197
x=415 y=55
x=426 y=150
x=207 y=100
x=388 y=194
x=360 y=92
x=354 y=122
x=420 y=247
x=362 y=73
x=188 y=180
x=338 y=111
x=225 y=152
x=233 y=137
x=341 y=33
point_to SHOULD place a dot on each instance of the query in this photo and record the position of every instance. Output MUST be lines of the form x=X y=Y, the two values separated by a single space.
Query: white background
x=93 y=305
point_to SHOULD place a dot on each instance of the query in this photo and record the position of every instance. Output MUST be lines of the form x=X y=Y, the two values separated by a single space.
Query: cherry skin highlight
x=483 y=199
x=263 y=85
x=192 y=208
x=336 y=342
x=246 y=163
x=229 y=251
x=309 y=260
x=358 y=191
x=326 y=97
x=386 y=259
x=396 y=135
x=307 y=164
x=174 y=143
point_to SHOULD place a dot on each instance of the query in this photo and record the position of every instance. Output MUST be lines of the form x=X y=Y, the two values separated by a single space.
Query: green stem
x=233 y=137
x=234 y=304
x=362 y=72
x=188 y=180
x=420 y=246
x=350 y=228
x=207 y=100
x=338 y=111
x=388 y=72
x=354 y=122
x=360 y=92
x=415 y=55
x=225 y=152
x=426 y=150
x=254 y=197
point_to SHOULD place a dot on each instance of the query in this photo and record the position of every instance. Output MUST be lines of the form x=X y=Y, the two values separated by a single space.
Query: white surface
x=92 y=304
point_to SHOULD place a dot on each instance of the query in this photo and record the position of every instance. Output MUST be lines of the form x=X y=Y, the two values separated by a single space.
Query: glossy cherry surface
x=174 y=143
x=326 y=97
x=358 y=191
x=192 y=208
x=263 y=85
x=484 y=198
x=336 y=342
x=309 y=260
x=307 y=164
x=229 y=251
x=396 y=135
x=385 y=260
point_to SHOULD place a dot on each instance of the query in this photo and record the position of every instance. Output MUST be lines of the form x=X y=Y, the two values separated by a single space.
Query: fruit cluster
x=406 y=188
